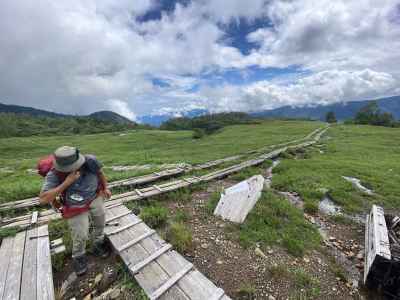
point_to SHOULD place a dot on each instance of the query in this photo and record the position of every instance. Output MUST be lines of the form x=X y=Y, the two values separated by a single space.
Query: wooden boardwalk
x=129 y=182
x=160 y=271
x=137 y=194
x=25 y=266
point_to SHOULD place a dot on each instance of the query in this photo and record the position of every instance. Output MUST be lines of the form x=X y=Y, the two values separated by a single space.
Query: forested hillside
x=13 y=125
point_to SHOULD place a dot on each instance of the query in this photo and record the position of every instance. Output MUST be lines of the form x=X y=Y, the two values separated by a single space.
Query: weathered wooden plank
x=29 y=273
x=13 y=281
x=122 y=228
x=6 y=250
x=56 y=243
x=118 y=216
x=44 y=284
x=136 y=240
x=134 y=269
x=237 y=201
x=170 y=282
x=157 y=187
x=34 y=217
x=218 y=294
x=152 y=276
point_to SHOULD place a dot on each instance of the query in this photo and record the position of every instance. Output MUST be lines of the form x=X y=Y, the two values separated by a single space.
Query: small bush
x=154 y=216
x=198 y=133
x=212 y=202
x=181 y=216
x=246 y=291
x=179 y=236
x=6 y=232
x=311 y=207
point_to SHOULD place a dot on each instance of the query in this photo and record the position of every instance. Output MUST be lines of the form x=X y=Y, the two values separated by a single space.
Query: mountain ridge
x=342 y=110
x=104 y=115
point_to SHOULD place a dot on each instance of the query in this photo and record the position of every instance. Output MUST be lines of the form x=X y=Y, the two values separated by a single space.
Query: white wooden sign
x=237 y=201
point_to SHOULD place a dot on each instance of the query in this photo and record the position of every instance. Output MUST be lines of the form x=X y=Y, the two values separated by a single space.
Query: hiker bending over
x=79 y=183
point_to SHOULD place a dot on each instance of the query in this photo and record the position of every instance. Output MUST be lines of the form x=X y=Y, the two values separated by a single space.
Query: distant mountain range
x=104 y=115
x=342 y=111
x=158 y=119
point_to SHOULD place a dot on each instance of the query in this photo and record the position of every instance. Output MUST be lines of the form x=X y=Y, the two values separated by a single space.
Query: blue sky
x=154 y=57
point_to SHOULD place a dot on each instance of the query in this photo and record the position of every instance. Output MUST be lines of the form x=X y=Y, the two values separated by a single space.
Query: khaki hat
x=68 y=159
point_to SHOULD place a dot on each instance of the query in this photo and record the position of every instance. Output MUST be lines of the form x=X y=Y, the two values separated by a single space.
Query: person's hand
x=107 y=193
x=72 y=177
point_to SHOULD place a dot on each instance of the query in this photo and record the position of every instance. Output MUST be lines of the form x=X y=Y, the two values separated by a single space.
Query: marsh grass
x=138 y=147
x=275 y=221
x=370 y=153
x=154 y=215
x=180 y=236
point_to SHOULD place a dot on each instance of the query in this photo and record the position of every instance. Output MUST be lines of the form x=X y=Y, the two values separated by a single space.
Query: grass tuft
x=181 y=216
x=246 y=291
x=311 y=207
x=275 y=221
x=212 y=202
x=154 y=216
x=179 y=236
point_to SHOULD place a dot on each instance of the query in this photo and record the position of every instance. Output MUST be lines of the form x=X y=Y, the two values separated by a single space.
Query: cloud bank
x=138 y=57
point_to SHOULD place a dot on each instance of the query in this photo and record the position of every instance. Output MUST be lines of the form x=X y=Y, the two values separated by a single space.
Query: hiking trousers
x=79 y=226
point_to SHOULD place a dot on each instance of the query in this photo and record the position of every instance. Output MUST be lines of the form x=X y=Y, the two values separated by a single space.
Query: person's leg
x=79 y=226
x=98 y=218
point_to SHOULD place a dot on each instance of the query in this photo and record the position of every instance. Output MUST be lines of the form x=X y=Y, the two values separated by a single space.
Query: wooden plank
x=34 y=217
x=29 y=273
x=152 y=276
x=136 y=268
x=140 y=194
x=135 y=241
x=118 y=216
x=157 y=187
x=57 y=250
x=56 y=243
x=6 y=250
x=44 y=284
x=13 y=282
x=170 y=282
x=218 y=294
x=118 y=230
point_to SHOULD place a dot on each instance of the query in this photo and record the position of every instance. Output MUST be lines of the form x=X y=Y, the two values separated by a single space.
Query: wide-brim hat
x=68 y=159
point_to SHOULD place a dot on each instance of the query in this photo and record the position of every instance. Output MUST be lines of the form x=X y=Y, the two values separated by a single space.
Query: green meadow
x=369 y=153
x=138 y=147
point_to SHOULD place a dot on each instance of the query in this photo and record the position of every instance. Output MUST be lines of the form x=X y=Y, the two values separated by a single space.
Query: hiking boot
x=101 y=249
x=80 y=264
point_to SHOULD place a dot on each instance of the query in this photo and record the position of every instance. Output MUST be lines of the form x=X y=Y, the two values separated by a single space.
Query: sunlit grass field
x=138 y=147
x=370 y=153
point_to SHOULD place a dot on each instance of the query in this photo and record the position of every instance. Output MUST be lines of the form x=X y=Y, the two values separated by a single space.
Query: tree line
x=19 y=125
x=207 y=124
x=370 y=114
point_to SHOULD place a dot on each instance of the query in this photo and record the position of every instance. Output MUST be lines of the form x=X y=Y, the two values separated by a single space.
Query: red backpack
x=44 y=166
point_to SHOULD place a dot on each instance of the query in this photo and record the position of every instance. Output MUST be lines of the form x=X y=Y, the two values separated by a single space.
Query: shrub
x=154 y=216
x=198 y=133
x=181 y=216
x=246 y=291
x=311 y=207
x=179 y=236
x=212 y=202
